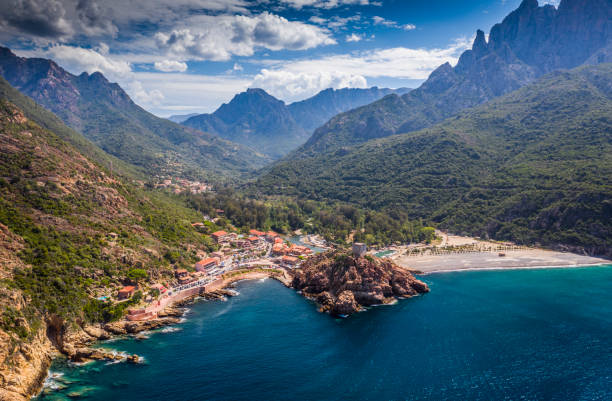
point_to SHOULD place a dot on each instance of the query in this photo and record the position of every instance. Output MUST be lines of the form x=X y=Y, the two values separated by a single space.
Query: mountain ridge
x=107 y=116
x=528 y=43
x=532 y=166
x=257 y=119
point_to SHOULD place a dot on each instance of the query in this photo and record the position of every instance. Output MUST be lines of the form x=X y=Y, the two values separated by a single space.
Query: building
x=359 y=249
x=180 y=273
x=126 y=292
x=271 y=236
x=278 y=249
x=207 y=264
x=257 y=233
x=289 y=260
x=220 y=236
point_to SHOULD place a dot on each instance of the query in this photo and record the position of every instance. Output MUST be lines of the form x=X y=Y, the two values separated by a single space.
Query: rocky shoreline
x=343 y=284
x=75 y=342
x=25 y=378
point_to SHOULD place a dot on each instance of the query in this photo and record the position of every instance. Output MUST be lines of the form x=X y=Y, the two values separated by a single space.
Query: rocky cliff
x=342 y=284
x=529 y=42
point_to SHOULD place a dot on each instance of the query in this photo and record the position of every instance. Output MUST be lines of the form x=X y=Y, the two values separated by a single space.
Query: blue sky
x=184 y=56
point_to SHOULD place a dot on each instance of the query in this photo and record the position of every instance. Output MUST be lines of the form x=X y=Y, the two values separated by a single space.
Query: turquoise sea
x=479 y=335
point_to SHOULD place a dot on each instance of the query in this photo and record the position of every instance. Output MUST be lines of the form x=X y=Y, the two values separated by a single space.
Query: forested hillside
x=533 y=166
x=106 y=115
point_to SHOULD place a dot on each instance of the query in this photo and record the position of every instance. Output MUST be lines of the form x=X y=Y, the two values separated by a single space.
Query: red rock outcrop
x=342 y=284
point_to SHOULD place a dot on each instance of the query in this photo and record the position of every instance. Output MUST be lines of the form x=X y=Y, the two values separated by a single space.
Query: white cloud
x=141 y=96
x=353 y=37
x=392 y=24
x=328 y=3
x=183 y=93
x=299 y=79
x=170 y=66
x=218 y=38
x=77 y=59
x=291 y=86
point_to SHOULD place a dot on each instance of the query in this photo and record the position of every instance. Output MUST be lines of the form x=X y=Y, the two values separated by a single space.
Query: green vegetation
x=533 y=166
x=334 y=221
x=57 y=209
x=106 y=116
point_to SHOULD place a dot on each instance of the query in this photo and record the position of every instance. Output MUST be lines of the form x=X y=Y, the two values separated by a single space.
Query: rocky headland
x=343 y=284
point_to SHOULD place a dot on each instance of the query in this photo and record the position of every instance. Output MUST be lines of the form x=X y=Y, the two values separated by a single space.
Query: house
x=126 y=292
x=289 y=260
x=198 y=225
x=298 y=250
x=220 y=236
x=278 y=240
x=257 y=233
x=207 y=264
x=278 y=249
x=181 y=273
x=253 y=240
x=271 y=235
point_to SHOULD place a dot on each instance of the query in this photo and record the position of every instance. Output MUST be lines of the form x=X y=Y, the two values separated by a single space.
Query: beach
x=518 y=259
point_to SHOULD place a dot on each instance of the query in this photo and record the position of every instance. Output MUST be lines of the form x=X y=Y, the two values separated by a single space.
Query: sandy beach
x=526 y=259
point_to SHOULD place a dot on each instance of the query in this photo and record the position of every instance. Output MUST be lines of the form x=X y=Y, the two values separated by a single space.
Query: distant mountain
x=315 y=111
x=179 y=118
x=531 y=41
x=107 y=116
x=259 y=120
x=533 y=166
x=256 y=119
x=51 y=122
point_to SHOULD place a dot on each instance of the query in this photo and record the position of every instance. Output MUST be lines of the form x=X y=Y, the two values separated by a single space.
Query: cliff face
x=529 y=42
x=342 y=284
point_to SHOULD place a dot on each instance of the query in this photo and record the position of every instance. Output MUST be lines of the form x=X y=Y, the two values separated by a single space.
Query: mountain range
x=106 y=115
x=255 y=118
x=533 y=166
x=528 y=165
x=529 y=42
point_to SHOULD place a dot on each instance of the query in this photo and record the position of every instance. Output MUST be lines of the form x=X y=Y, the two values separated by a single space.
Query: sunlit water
x=531 y=334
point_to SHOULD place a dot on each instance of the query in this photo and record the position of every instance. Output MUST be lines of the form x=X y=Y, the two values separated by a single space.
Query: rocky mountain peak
x=480 y=44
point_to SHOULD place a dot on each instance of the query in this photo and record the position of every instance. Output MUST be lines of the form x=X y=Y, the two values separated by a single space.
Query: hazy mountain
x=254 y=118
x=532 y=166
x=530 y=41
x=257 y=119
x=107 y=116
x=313 y=112
x=179 y=118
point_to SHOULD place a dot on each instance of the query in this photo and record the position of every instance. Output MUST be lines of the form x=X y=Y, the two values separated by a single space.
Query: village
x=238 y=254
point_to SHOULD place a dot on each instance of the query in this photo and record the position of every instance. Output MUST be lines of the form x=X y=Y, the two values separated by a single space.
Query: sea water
x=478 y=335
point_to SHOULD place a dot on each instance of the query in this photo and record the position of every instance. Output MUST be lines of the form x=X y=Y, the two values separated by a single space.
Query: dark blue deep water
x=480 y=335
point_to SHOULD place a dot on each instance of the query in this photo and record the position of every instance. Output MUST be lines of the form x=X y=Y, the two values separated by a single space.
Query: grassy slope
x=532 y=166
